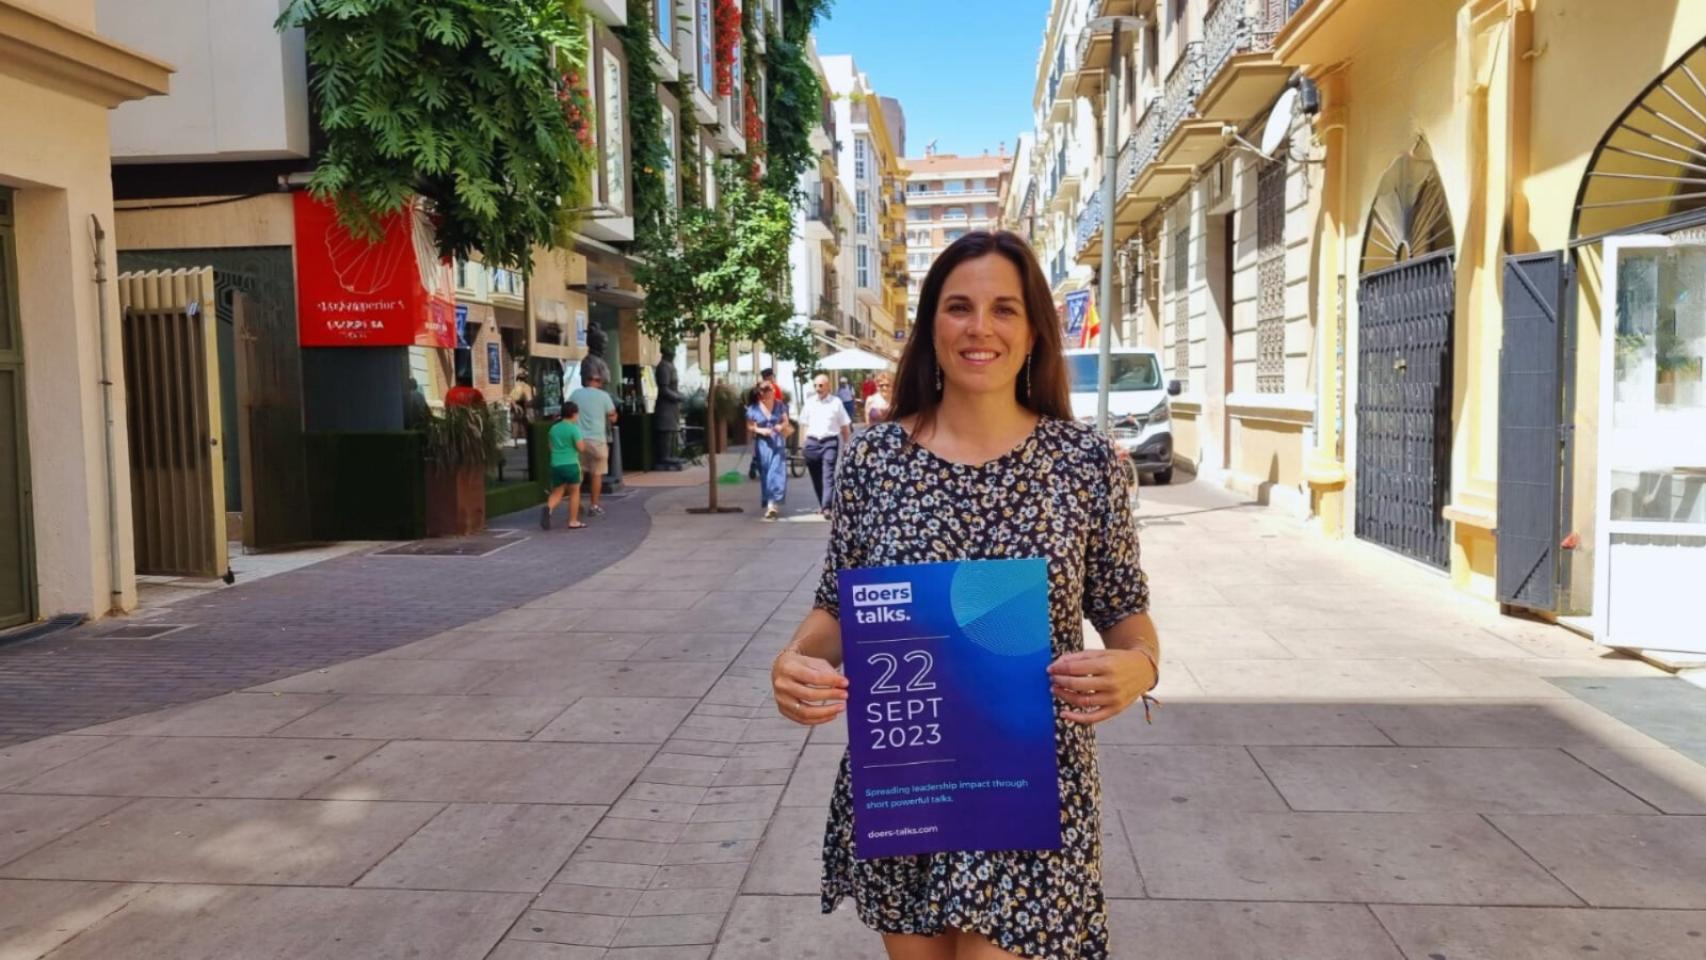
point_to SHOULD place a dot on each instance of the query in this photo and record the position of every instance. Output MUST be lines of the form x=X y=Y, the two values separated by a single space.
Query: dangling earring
x=1028 y=358
x=938 y=377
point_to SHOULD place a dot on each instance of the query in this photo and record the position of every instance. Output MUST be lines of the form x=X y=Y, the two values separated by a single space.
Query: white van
x=1138 y=408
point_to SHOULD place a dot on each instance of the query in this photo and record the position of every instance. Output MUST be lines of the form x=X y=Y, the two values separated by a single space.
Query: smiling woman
x=982 y=461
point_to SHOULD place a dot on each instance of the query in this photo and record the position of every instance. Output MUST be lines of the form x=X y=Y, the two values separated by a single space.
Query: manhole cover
x=478 y=545
x=143 y=631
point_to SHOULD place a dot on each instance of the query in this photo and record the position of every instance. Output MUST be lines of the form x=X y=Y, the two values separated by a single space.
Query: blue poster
x=462 y=325
x=950 y=713
x=494 y=365
x=1077 y=311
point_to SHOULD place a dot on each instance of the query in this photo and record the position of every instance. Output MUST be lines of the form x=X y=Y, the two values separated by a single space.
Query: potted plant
x=460 y=446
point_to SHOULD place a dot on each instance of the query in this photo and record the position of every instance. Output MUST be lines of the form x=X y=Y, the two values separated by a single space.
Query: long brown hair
x=1048 y=394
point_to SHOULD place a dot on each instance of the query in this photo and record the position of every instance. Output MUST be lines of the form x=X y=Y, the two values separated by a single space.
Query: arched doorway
x=1406 y=306
x=1644 y=197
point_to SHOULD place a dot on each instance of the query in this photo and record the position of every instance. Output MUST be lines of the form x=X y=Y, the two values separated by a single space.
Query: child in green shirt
x=566 y=445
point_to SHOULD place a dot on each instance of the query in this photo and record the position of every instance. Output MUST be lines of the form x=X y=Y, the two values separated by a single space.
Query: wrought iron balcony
x=1140 y=147
x=1089 y=222
x=1184 y=83
x=1241 y=26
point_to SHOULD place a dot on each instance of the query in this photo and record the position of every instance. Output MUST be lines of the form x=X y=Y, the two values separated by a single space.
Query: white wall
x=240 y=91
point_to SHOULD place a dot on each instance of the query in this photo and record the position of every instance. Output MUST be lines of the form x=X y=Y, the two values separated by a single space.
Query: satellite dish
x=1278 y=126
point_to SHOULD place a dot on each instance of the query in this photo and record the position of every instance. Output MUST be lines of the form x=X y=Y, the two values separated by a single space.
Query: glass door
x=1651 y=551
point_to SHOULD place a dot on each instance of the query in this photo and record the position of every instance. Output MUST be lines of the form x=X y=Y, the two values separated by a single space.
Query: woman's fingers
x=1081 y=684
x=812 y=671
x=789 y=689
x=1093 y=717
x=809 y=714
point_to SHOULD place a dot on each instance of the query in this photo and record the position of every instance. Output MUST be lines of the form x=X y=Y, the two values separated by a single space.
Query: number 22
x=917 y=685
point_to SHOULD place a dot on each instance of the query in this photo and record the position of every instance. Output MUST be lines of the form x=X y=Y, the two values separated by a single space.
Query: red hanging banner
x=396 y=292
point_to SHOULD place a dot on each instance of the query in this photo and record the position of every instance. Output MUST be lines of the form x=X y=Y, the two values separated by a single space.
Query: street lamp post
x=1110 y=161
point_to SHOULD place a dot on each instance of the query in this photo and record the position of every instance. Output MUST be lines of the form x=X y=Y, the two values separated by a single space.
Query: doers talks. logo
x=882 y=602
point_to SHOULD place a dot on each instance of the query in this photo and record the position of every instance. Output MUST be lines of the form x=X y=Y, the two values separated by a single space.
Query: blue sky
x=962 y=69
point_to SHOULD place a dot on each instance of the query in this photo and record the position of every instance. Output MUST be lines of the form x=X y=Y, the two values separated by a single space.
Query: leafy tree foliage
x=460 y=102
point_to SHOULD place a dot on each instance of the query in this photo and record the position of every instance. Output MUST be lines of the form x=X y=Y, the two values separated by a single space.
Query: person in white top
x=826 y=426
x=877 y=405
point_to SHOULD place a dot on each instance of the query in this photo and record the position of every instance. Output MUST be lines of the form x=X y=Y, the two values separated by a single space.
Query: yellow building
x=1497 y=172
x=66 y=542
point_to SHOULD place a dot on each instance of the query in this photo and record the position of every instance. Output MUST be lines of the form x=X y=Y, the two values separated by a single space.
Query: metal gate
x=269 y=423
x=1404 y=359
x=17 y=549
x=1533 y=436
x=171 y=369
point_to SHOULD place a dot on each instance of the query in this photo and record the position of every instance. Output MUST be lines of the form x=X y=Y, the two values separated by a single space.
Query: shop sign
x=494 y=365
x=396 y=292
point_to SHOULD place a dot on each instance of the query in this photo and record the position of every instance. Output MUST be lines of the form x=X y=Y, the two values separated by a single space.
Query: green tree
x=478 y=106
x=726 y=276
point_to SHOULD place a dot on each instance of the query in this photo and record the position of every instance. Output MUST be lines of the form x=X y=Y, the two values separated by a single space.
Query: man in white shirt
x=826 y=426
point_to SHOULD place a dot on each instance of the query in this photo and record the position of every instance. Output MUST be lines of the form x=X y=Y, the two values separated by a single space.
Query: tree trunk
x=711 y=425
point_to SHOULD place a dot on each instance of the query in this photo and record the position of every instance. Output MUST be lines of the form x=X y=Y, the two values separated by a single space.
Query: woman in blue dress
x=767 y=428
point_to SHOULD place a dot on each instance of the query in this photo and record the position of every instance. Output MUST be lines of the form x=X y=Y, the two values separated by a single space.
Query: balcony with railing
x=820 y=219
x=1146 y=178
x=1089 y=230
x=1179 y=94
x=1140 y=147
x=1242 y=74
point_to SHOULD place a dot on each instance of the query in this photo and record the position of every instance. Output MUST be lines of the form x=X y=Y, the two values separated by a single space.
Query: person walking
x=597 y=413
x=827 y=429
x=982 y=459
x=566 y=447
x=520 y=406
x=767 y=429
x=765 y=376
x=845 y=394
x=877 y=405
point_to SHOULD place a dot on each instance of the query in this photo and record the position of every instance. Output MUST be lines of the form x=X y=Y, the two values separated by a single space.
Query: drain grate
x=143 y=631
x=478 y=545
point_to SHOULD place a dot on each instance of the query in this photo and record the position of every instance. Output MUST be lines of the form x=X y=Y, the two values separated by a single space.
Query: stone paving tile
x=1341 y=857
x=27 y=823
x=472 y=643
x=792 y=928
x=1197 y=930
x=269 y=922
x=23 y=761
x=42 y=914
x=1666 y=779
x=576 y=898
x=1441 y=780
x=600 y=601
x=658 y=953
x=1557 y=723
x=428 y=717
x=698 y=876
x=1190 y=723
x=625 y=851
x=579 y=929
x=1613 y=861
x=1154 y=778
x=259 y=767
x=233 y=715
x=1313 y=642
x=389 y=675
x=1120 y=874
x=491 y=772
x=790 y=860
x=1234 y=642
x=532 y=950
x=618 y=720
x=325 y=842
x=658 y=903
x=722 y=830
x=694 y=645
x=1505 y=933
x=670 y=930
x=490 y=847
x=1321 y=680
x=813 y=778
x=549 y=678
x=592 y=873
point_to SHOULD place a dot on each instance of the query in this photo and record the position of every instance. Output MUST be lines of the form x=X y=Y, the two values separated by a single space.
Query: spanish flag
x=1092 y=326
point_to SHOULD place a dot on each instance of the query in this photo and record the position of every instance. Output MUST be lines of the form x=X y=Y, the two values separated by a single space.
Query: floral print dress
x=1059 y=495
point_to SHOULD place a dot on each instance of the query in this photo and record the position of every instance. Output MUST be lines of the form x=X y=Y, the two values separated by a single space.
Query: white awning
x=854 y=358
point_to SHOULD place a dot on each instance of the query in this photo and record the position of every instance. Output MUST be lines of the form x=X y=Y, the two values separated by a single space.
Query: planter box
x=455 y=500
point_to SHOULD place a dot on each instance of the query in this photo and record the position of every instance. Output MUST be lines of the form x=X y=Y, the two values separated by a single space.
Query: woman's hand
x=1098 y=684
x=808 y=690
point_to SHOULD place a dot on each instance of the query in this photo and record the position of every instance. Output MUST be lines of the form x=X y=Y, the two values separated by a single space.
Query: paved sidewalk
x=1352 y=763
x=257 y=630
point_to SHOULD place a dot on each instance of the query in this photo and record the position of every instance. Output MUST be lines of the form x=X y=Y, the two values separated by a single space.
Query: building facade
x=946 y=196
x=871 y=175
x=1509 y=250
x=66 y=509
x=1211 y=232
